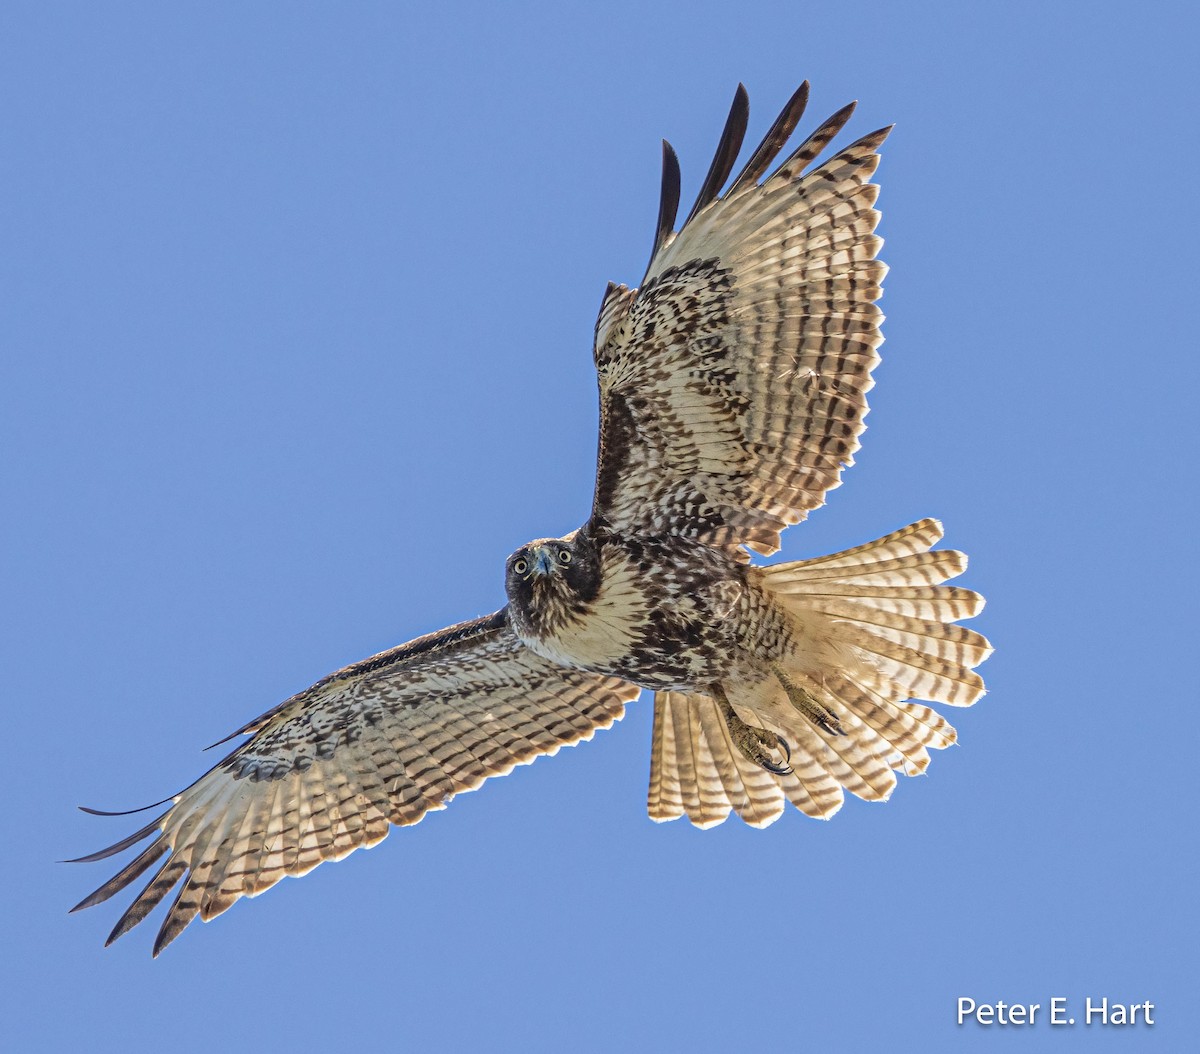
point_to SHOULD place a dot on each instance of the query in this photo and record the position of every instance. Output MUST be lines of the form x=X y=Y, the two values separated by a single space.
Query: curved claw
x=754 y=743
x=833 y=726
x=785 y=769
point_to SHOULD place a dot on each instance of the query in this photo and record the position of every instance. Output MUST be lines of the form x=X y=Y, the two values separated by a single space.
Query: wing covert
x=733 y=383
x=378 y=743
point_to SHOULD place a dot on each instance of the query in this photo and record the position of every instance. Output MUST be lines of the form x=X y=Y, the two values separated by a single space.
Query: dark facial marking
x=554 y=579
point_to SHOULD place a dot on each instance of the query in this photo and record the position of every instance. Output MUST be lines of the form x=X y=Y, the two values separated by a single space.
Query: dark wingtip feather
x=250 y=726
x=174 y=924
x=124 y=812
x=120 y=880
x=799 y=160
x=875 y=138
x=728 y=149
x=862 y=151
x=774 y=140
x=148 y=899
x=668 y=202
x=120 y=846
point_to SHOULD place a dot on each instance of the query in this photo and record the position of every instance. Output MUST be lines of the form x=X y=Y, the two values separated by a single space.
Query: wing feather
x=733 y=383
x=668 y=200
x=727 y=151
x=324 y=773
x=774 y=140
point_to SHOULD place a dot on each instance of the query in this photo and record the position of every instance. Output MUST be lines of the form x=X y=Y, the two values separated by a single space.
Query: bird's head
x=551 y=579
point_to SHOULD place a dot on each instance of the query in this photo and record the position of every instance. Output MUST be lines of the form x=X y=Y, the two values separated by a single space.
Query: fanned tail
x=887 y=626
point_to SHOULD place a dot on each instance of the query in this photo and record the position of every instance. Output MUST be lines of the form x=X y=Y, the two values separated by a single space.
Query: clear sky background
x=296 y=331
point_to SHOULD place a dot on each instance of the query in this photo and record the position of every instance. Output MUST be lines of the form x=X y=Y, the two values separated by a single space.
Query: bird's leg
x=756 y=743
x=808 y=704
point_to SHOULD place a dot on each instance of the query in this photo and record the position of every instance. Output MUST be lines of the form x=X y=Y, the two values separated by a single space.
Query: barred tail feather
x=691 y=749
x=885 y=603
x=889 y=624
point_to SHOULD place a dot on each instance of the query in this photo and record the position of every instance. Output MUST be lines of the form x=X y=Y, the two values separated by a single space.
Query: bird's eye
x=564 y=556
x=521 y=566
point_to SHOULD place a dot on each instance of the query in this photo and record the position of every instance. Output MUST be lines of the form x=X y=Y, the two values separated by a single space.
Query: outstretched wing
x=381 y=742
x=733 y=383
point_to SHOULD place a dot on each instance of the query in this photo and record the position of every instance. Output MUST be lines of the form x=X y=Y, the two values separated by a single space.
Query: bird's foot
x=808 y=704
x=757 y=744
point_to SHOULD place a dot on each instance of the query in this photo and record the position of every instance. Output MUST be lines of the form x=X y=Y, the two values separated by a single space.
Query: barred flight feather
x=689 y=355
x=400 y=734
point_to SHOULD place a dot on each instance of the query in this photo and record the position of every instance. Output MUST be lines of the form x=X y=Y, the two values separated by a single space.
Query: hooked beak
x=542 y=560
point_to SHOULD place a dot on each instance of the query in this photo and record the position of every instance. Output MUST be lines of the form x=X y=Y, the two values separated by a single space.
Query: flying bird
x=733 y=389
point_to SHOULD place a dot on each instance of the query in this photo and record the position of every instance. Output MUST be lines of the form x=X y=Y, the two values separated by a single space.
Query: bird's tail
x=886 y=633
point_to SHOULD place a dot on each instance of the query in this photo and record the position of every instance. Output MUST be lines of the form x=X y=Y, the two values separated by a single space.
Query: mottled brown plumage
x=732 y=394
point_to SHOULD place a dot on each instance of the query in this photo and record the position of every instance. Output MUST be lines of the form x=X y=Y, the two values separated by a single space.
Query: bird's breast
x=658 y=619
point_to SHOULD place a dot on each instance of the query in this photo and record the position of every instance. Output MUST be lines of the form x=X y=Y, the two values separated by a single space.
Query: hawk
x=733 y=389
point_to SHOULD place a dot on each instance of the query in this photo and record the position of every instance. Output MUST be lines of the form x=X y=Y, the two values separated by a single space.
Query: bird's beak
x=543 y=560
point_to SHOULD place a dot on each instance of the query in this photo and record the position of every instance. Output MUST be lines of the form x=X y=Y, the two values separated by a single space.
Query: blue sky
x=296 y=351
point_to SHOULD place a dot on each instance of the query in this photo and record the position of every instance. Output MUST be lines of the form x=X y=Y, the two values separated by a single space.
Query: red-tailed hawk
x=732 y=394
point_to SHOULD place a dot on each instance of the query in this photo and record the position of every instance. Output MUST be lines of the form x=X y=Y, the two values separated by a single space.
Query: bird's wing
x=381 y=742
x=733 y=382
